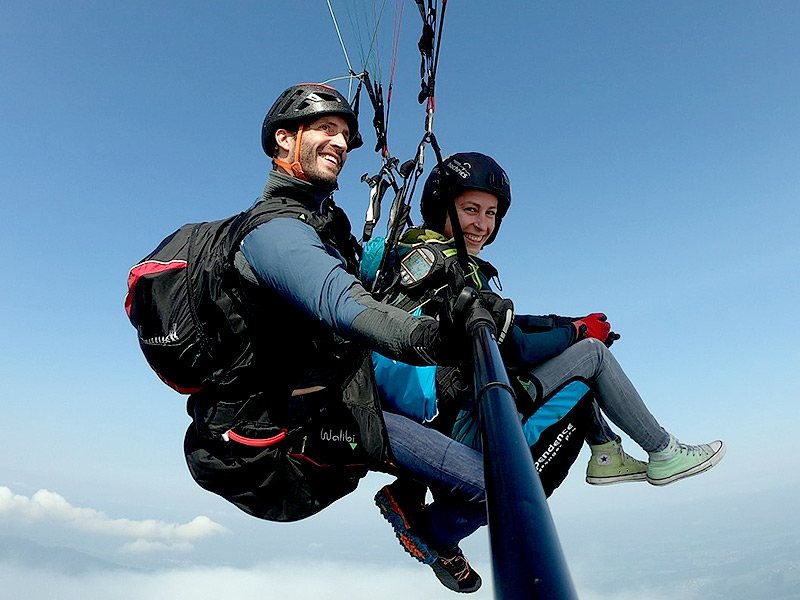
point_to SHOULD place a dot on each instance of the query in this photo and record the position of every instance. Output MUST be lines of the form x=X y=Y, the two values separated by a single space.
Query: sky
x=653 y=151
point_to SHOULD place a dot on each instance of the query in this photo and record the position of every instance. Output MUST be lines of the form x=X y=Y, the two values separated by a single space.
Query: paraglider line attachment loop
x=429 y=117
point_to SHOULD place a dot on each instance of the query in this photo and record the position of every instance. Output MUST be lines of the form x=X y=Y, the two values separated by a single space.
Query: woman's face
x=477 y=211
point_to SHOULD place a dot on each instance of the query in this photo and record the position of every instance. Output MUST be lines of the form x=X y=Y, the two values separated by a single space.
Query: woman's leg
x=591 y=360
x=599 y=432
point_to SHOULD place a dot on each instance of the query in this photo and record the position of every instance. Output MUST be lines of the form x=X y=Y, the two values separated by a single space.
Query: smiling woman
x=476 y=213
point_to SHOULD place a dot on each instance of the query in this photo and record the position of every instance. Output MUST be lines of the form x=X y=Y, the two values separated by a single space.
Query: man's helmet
x=464 y=171
x=305 y=102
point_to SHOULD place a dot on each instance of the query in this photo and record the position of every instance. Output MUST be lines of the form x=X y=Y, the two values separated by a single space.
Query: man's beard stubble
x=308 y=161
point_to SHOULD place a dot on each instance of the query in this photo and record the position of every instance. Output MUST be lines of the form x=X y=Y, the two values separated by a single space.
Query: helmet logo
x=314 y=97
x=462 y=169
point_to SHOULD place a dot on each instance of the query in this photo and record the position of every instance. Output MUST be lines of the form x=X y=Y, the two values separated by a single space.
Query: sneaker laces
x=454 y=563
x=690 y=449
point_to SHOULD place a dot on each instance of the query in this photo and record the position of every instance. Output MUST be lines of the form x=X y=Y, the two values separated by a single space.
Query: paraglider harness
x=422 y=275
x=443 y=397
x=185 y=300
x=190 y=301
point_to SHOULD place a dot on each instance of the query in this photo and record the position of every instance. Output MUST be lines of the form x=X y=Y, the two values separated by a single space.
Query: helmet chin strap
x=294 y=167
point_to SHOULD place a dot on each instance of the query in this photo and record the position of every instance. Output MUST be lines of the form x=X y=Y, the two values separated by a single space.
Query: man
x=266 y=431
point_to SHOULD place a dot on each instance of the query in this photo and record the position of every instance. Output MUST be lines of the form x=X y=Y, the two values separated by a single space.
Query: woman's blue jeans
x=589 y=359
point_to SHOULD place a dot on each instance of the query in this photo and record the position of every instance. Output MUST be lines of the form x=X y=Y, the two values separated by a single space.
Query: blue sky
x=653 y=150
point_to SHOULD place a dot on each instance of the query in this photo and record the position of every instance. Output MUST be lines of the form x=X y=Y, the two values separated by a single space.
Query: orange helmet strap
x=294 y=167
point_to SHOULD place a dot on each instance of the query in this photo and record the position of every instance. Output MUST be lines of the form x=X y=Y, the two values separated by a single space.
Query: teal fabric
x=371 y=255
x=554 y=410
x=467 y=428
x=406 y=389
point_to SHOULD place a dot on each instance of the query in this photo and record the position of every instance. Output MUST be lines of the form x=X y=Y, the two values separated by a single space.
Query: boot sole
x=696 y=470
x=410 y=542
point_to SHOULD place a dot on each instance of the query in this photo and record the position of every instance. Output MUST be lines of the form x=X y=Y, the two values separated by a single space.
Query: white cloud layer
x=275 y=580
x=147 y=535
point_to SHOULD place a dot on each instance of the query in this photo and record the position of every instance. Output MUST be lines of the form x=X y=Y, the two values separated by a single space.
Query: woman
x=547 y=353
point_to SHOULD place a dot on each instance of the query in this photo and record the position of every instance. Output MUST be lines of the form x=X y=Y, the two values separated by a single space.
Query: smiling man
x=319 y=149
x=290 y=419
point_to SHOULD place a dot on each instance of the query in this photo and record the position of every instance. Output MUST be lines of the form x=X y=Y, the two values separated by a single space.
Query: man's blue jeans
x=452 y=471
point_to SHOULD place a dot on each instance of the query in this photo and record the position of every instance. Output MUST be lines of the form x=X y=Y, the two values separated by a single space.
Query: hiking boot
x=405 y=513
x=453 y=570
x=678 y=461
x=610 y=464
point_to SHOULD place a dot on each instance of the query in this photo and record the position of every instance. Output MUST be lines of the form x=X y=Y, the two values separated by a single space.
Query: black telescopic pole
x=527 y=559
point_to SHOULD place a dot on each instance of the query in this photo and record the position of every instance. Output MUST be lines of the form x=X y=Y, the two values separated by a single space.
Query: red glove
x=594 y=325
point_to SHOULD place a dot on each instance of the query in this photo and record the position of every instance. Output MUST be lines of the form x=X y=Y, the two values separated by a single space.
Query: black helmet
x=465 y=171
x=304 y=102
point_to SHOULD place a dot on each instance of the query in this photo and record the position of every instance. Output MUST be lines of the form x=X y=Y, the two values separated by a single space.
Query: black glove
x=453 y=316
x=502 y=311
x=458 y=310
x=439 y=343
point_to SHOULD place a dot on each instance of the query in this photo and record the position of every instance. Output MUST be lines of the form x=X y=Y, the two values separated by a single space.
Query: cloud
x=141 y=546
x=274 y=580
x=284 y=579
x=148 y=535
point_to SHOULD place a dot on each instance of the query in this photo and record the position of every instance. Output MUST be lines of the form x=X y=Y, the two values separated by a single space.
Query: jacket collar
x=312 y=196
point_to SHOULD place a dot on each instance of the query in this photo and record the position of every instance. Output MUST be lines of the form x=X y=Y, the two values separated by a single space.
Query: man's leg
x=454 y=474
x=452 y=471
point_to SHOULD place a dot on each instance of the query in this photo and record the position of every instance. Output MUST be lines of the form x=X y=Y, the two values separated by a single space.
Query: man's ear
x=285 y=141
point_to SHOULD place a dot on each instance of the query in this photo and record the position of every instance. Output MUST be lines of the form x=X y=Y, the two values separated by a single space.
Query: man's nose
x=339 y=140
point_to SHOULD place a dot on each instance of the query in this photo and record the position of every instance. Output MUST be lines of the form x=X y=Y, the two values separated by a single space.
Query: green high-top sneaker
x=610 y=464
x=678 y=461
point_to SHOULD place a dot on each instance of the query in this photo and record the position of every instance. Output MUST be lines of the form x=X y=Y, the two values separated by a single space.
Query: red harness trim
x=149 y=267
x=256 y=442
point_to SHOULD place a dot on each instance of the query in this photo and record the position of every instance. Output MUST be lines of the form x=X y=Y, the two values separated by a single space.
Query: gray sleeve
x=393 y=332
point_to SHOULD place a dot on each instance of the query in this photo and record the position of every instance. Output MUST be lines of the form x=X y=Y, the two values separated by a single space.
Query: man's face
x=477 y=211
x=323 y=149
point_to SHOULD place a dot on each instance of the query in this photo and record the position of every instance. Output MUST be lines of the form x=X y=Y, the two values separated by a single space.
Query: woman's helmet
x=464 y=171
x=302 y=103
